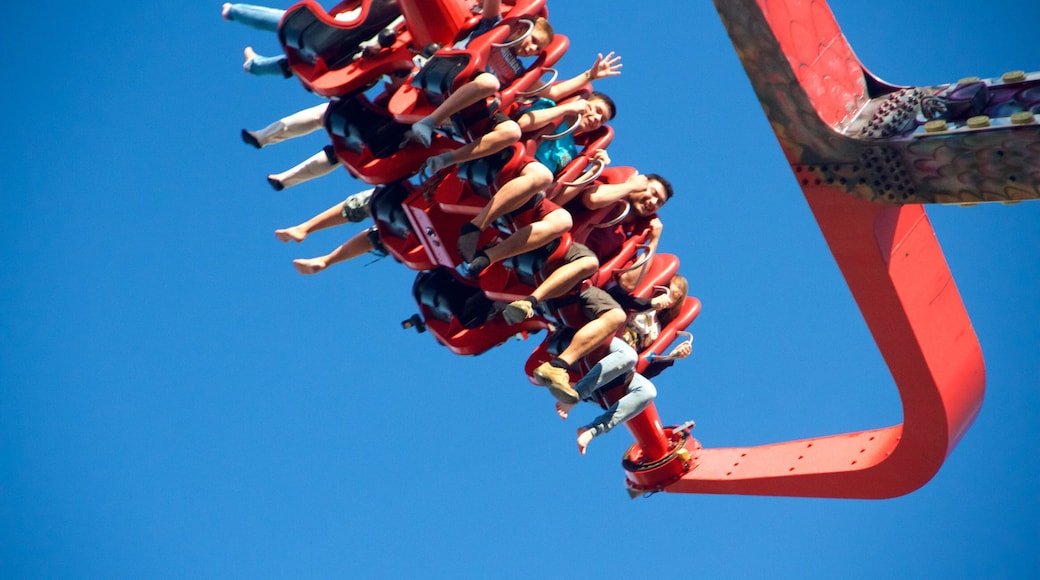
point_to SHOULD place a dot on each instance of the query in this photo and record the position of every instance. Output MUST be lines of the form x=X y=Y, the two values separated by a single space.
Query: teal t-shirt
x=554 y=154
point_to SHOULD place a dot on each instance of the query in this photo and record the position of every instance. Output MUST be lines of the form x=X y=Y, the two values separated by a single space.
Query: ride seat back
x=447 y=299
x=437 y=77
x=360 y=123
x=312 y=34
x=387 y=210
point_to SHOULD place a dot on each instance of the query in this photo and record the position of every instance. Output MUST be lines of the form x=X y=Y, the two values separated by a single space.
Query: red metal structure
x=866 y=154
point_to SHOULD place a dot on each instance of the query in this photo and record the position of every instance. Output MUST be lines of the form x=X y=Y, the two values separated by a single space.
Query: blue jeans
x=639 y=393
x=268 y=65
x=620 y=359
x=259 y=17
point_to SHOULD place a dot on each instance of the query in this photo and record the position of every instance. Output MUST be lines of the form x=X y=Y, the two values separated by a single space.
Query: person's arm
x=604 y=66
x=603 y=195
x=492 y=9
x=630 y=279
x=540 y=118
x=569 y=192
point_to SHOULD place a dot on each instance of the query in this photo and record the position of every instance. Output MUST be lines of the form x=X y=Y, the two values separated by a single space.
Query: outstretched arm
x=602 y=67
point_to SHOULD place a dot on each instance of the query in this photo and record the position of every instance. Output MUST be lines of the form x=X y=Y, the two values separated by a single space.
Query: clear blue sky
x=176 y=401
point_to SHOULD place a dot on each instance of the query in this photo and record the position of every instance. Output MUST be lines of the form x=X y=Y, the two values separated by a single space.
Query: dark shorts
x=595 y=301
x=377 y=242
x=498 y=118
x=577 y=251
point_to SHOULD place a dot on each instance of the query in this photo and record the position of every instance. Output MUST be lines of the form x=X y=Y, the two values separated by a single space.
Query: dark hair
x=609 y=102
x=667 y=185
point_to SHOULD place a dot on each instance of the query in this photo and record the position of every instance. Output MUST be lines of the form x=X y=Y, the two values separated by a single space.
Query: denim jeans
x=259 y=17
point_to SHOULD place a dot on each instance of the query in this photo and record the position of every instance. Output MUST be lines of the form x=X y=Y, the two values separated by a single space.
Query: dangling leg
x=639 y=393
x=259 y=17
x=295 y=125
x=531 y=236
x=353 y=209
x=481 y=87
x=260 y=65
x=580 y=263
x=319 y=164
x=605 y=318
x=360 y=244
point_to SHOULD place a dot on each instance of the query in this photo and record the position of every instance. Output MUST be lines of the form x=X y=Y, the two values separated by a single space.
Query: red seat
x=396 y=231
x=457 y=314
x=323 y=52
x=449 y=68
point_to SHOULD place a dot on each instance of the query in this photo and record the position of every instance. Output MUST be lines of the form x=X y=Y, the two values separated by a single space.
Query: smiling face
x=596 y=113
x=649 y=200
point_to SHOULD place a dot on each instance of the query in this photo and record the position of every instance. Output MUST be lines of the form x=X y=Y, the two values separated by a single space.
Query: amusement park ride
x=867 y=155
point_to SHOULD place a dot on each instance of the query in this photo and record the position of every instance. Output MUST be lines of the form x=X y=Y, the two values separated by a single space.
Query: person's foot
x=249 y=54
x=422 y=131
x=584 y=437
x=469 y=237
x=309 y=265
x=249 y=139
x=275 y=183
x=293 y=234
x=518 y=311
x=474 y=268
x=225 y=10
x=558 y=382
x=563 y=409
x=437 y=162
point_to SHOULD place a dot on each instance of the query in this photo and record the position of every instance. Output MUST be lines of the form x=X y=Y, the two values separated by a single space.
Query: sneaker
x=518 y=311
x=558 y=382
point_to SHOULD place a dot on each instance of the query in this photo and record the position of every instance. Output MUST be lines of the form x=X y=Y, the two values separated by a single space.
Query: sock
x=479 y=263
x=559 y=363
x=469 y=236
x=438 y=162
x=250 y=139
x=423 y=131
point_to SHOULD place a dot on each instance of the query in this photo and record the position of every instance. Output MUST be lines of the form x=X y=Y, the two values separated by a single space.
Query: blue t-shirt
x=554 y=154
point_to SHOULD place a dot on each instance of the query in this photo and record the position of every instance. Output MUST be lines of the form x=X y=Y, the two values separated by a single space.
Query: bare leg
x=329 y=218
x=356 y=246
x=566 y=277
x=482 y=86
x=593 y=334
x=533 y=178
x=531 y=236
x=559 y=282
